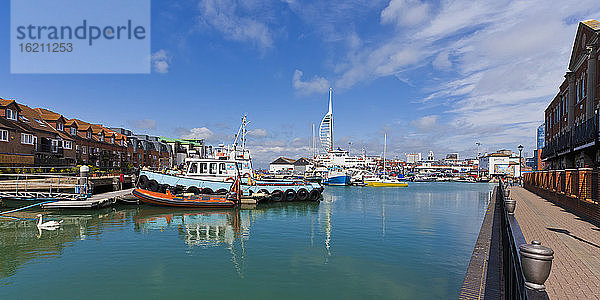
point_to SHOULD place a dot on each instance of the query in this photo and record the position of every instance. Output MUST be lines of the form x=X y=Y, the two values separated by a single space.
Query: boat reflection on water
x=207 y=228
x=204 y=228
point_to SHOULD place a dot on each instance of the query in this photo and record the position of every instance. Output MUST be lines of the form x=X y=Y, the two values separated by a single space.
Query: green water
x=359 y=242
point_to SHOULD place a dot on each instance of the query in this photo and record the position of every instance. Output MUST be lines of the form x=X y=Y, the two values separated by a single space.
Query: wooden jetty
x=95 y=201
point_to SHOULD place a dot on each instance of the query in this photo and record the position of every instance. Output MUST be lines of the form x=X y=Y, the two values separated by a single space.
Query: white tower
x=326 y=128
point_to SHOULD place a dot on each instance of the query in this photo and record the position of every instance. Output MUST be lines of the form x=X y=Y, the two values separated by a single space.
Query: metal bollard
x=510 y=205
x=83 y=179
x=536 y=261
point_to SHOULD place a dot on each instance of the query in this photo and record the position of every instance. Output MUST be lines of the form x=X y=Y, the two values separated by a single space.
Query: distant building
x=413 y=158
x=430 y=156
x=282 y=165
x=501 y=163
x=184 y=148
x=302 y=165
x=452 y=156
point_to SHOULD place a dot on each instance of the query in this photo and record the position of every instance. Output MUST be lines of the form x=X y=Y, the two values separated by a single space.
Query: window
x=88 y=134
x=77 y=148
x=11 y=114
x=59 y=126
x=67 y=144
x=83 y=149
x=101 y=136
x=73 y=131
x=24 y=119
x=3 y=135
x=54 y=145
x=204 y=168
x=222 y=168
x=213 y=168
x=26 y=138
x=112 y=140
x=193 y=168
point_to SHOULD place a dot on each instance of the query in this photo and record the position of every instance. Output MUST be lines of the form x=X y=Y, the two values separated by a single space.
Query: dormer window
x=59 y=126
x=11 y=114
x=89 y=135
x=112 y=140
x=101 y=136
x=73 y=131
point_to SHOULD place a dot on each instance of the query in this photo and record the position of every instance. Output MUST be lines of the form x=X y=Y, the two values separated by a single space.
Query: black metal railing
x=512 y=238
x=564 y=142
x=585 y=133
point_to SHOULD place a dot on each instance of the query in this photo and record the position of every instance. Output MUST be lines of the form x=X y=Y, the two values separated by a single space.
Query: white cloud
x=160 y=61
x=258 y=133
x=222 y=15
x=315 y=85
x=442 y=61
x=405 y=12
x=503 y=64
x=143 y=124
x=425 y=123
x=198 y=133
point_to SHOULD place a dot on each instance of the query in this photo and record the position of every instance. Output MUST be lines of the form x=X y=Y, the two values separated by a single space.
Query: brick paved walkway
x=576 y=243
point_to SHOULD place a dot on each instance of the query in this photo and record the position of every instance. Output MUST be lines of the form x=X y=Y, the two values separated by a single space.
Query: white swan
x=50 y=225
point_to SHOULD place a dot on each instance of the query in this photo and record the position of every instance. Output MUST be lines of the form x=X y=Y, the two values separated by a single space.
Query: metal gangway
x=43 y=187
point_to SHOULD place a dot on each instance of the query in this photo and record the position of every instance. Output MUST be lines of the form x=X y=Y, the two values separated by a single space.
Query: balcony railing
x=585 y=133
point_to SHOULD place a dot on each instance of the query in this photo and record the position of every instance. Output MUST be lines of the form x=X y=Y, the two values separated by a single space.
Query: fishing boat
x=185 y=200
x=337 y=177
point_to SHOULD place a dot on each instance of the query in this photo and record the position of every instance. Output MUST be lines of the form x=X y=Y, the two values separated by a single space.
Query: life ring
x=246 y=175
x=289 y=195
x=314 y=195
x=229 y=179
x=302 y=194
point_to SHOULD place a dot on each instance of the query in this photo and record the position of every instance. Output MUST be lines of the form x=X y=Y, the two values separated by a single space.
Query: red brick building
x=571 y=119
x=40 y=137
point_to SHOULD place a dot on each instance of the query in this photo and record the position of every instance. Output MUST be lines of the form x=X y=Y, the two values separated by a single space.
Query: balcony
x=585 y=133
x=564 y=142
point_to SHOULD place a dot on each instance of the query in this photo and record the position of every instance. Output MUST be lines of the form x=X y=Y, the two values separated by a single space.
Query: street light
x=520 y=171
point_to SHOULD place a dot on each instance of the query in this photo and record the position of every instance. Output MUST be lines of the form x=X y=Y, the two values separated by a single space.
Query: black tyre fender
x=264 y=191
x=143 y=182
x=153 y=186
x=289 y=195
x=277 y=195
x=302 y=194
x=221 y=192
x=207 y=191
x=194 y=190
x=314 y=195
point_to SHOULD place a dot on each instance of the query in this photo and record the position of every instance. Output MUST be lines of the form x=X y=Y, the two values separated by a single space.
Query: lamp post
x=520 y=171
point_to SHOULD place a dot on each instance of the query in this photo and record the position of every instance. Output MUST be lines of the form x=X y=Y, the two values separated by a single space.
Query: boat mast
x=384 y=149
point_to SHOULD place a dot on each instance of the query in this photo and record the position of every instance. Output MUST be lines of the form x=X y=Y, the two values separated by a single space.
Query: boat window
x=239 y=165
x=203 y=168
x=222 y=168
x=213 y=168
x=193 y=168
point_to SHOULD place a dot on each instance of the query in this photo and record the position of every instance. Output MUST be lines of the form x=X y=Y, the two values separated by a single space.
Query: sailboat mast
x=384 y=149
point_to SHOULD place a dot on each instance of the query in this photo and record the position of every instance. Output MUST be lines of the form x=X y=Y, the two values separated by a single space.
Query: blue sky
x=437 y=75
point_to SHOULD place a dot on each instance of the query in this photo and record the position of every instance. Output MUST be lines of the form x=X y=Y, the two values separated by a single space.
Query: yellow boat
x=387 y=184
x=385 y=181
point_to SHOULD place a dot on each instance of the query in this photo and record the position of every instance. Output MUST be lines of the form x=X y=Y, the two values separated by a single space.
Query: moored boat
x=385 y=181
x=186 y=200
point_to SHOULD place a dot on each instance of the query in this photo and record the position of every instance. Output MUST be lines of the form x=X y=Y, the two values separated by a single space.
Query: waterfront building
x=184 y=148
x=571 y=118
x=39 y=137
x=282 y=165
x=500 y=164
x=413 y=158
x=430 y=156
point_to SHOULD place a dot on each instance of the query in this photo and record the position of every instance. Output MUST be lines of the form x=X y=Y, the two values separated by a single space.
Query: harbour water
x=359 y=242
